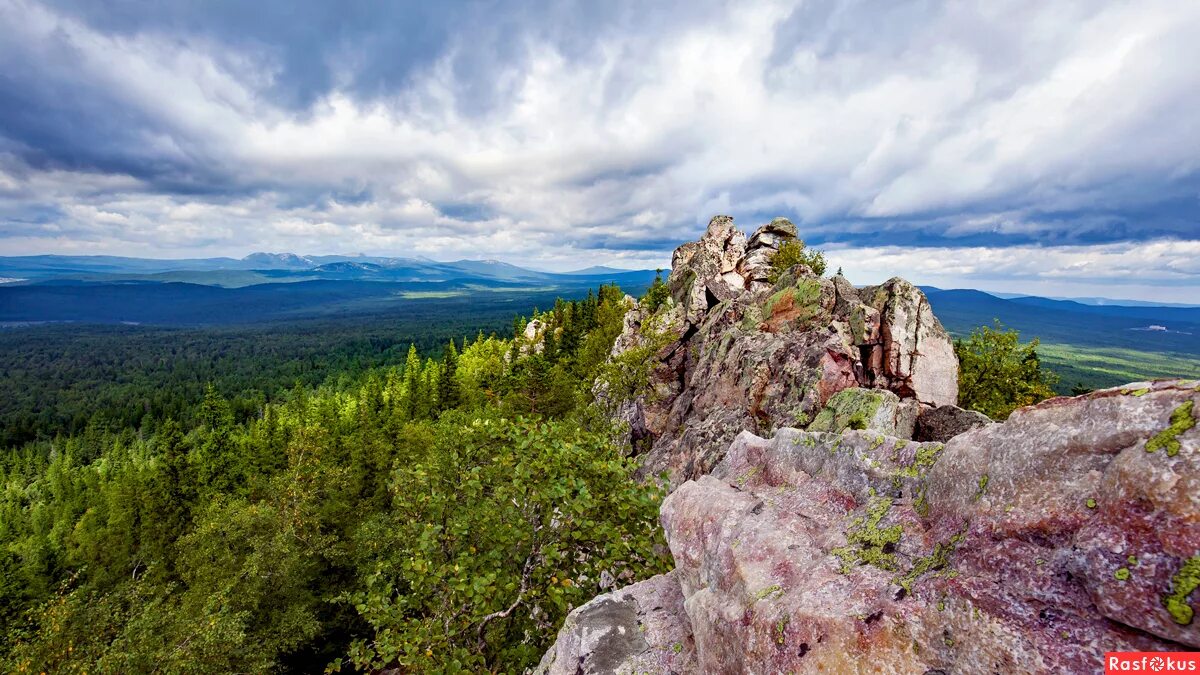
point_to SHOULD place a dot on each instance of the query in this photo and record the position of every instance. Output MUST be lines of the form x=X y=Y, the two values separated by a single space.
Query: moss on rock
x=867 y=543
x=1186 y=580
x=853 y=408
x=1168 y=439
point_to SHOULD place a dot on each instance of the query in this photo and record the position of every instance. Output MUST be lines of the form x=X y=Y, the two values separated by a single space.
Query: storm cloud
x=1011 y=143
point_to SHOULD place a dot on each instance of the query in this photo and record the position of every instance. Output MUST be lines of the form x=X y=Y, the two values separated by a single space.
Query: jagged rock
x=755 y=265
x=772 y=234
x=743 y=354
x=533 y=335
x=1033 y=545
x=917 y=354
x=638 y=629
x=858 y=408
x=707 y=269
x=947 y=421
x=1090 y=486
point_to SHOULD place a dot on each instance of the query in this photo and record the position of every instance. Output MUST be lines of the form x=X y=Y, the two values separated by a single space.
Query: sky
x=1042 y=147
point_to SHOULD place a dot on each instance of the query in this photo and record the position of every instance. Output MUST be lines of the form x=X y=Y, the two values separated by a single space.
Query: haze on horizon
x=1047 y=148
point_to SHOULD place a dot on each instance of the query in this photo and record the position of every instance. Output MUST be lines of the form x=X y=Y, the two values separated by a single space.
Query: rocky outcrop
x=755 y=265
x=742 y=353
x=912 y=356
x=707 y=269
x=1033 y=545
x=638 y=629
x=533 y=341
x=946 y=422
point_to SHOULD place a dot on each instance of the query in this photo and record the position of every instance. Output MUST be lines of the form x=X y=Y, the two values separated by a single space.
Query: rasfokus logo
x=1151 y=662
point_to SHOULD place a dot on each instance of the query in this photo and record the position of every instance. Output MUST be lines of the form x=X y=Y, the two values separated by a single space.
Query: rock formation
x=742 y=353
x=811 y=533
x=1031 y=546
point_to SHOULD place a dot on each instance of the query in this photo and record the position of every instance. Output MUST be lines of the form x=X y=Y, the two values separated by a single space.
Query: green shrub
x=657 y=295
x=794 y=252
x=997 y=374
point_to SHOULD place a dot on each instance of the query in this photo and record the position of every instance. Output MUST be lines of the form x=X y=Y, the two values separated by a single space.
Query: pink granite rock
x=1029 y=546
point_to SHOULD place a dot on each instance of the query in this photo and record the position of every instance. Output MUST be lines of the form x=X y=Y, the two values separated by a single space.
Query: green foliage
x=69 y=378
x=997 y=374
x=657 y=295
x=794 y=252
x=493 y=535
x=436 y=515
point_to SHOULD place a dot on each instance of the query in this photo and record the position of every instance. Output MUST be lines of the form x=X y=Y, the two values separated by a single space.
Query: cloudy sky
x=1049 y=147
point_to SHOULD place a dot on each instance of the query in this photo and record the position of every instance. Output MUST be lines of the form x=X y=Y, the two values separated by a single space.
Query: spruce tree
x=448 y=394
x=412 y=384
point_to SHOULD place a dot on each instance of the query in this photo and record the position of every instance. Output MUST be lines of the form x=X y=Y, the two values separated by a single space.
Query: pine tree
x=448 y=393
x=427 y=402
x=412 y=384
x=219 y=468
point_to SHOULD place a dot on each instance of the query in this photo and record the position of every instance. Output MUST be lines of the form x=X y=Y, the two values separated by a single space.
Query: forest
x=441 y=514
x=62 y=378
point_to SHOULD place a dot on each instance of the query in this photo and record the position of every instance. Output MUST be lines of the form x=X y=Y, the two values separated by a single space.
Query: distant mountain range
x=283 y=286
x=259 y=268
x=1100 y=301
x=266 y=286
x=1175 y=329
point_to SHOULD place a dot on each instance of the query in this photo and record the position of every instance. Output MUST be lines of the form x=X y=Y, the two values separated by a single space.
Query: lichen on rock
x=1183 y=582
x=859 y=408
x=867 y=541
x=1168 y=439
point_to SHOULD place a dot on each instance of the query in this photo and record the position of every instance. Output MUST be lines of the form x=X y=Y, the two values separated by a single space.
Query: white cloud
x=997 y=110
x=1147 y=270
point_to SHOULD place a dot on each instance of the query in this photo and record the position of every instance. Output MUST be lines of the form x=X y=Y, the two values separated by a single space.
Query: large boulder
x=1101 y=492
x=858 y=408
x=946 y=422
x=641 y=628
x=1034 y=545
x=916 y=353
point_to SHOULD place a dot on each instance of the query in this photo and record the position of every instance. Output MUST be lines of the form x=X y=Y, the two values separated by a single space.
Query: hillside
x=1089 y=346
x=1073 y=323
x=361 y=475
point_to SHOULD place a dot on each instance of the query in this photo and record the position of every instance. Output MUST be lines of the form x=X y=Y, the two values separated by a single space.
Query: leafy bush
x=493 y=536
x=794 y=252
x=997 y=374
